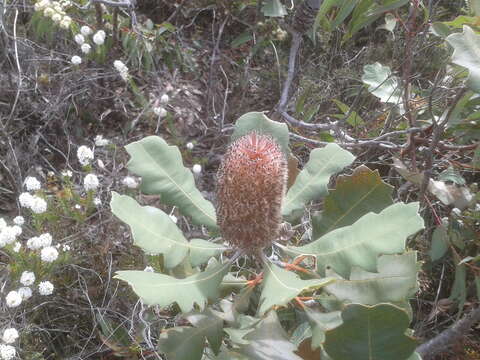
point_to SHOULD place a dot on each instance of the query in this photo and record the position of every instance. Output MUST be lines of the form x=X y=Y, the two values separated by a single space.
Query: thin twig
x=296 y=41
x=447 y=338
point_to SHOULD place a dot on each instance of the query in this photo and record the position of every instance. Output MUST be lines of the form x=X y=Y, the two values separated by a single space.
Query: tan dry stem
x=251 y=185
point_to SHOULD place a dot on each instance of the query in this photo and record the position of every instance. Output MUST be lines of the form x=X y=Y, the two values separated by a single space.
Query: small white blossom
x=120 y=66
x=49 y=254
x=90 y=182
x=173 y=218
x=149 y=269
x=101 y=141
x=26 y=200
x=164 y=99
x=34 y=243
x=19 y=220
x=197 y=169
x=79 y=39
x=45 y=288
x=189 y=146
x=67 y=173
x=99 y=37
x=8 y=235
x=160 y=111
x=56 y=18
x=66 y=247
x=456 y=211
x=97 y=201
x=17 y=246
x=65 y=23
x=78 y=207
x=100 y=164
x=17 y=230
x=86 y=48
x=25 y=292
x=3 y=224
x=13 y=299
x=48 y=12
x=84 y=155
x=76 y=60
x=41 y=5
x=39 y=205
x=10 y=335
x=130 y=182
x=32 y=184
x=85 y=30
x=27 y=278
x=45 y=240
x=7 y=352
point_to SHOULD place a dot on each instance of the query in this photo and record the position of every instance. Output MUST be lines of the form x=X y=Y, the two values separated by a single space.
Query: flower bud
x=251 y=185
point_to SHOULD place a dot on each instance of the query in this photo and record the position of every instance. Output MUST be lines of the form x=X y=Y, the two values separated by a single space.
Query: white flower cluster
x=122 y=69
x=82 y=40
x=7 y=352
x=158 y=109
x=8 y=234
x=45 y=288
x=39 y=242
x=90 y=182
x=130 y=182
x=55 y=10
x=99 y=37
x=35 y=203
x=84 y=155
x=10 y=335
x=32 y=183
x=101 y=141
x=197 y=169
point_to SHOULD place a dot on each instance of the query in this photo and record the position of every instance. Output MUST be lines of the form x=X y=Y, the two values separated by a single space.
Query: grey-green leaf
x=163 y=173
x=395 y=281
x=382 y=83
x=269 y=341
x=353 y=196
x=439 y=245
x=280 y=286
x=182 y=343
x=466 y=54
x=367 y=333
x=257 y=121
x=312 y=181
x=361 y=243
x=201 y=251
x=152 y=229
x=320 y=323
x=273 y=8
x=163 y=290
x=210 y=326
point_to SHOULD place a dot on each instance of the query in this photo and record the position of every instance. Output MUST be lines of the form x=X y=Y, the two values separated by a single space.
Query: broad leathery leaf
x=257 y=121
x=395 y=281
x=163 y=173
x=361 y=243
x=382 y=83
x=312 y=181
x=152 y=229
x=353 y=196
x=210 y=326
x=439 y=245
x=280 y=286
x=466 y=54
x=269 y=341
x=273 y=8
x=156 y=233
x=163 y=290
x=321 y=322
x=201 y=251
x=370 y=332
x=182 y=343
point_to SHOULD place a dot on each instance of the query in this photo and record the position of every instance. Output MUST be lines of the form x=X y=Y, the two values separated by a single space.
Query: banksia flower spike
x=251 y=185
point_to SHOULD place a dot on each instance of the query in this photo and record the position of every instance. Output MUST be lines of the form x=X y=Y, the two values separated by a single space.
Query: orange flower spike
x=251 y=185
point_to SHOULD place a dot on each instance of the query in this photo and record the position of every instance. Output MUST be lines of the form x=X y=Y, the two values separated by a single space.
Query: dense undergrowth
x=82 y=80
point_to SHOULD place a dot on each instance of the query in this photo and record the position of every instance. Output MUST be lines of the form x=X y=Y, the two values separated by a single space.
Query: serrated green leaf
x=312 y=181
x=439 y=243
x=182 y=343
x=163 y=173
x=320 y=323
x=269 y=341
x=280 y=286
x=273 y=8
x=361 y=243
x=257 y=121
x=466 y=54
x=395 y=281
x=353 y=196
x=210 y=326
x=163 y=290
x=376 y=332
x=382 y=83
x=156 y=233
